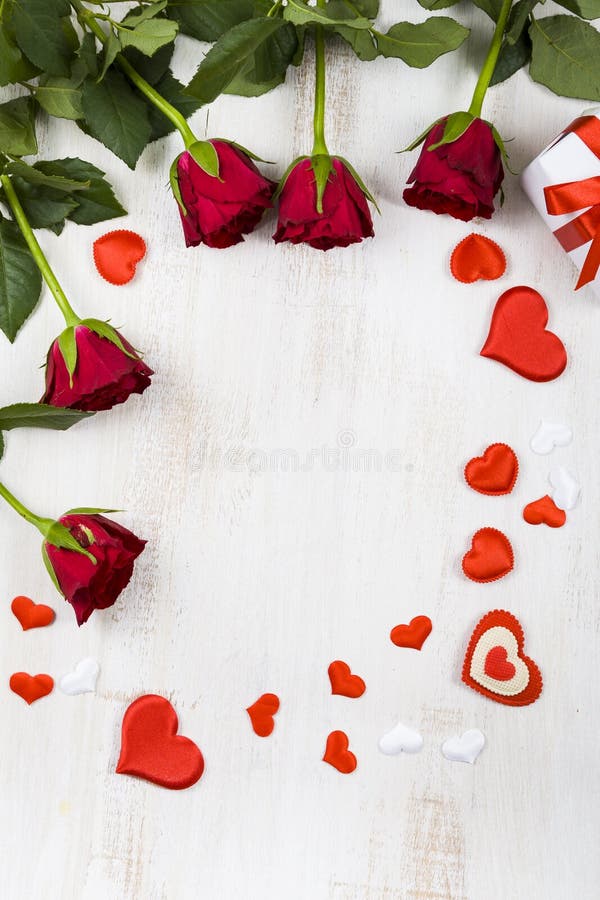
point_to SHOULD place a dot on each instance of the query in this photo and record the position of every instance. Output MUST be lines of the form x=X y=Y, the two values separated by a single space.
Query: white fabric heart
x=550 y=435
x=566 y=488
x=401 y=739
x=465 y=748
x=498 y=636
x=83 y=678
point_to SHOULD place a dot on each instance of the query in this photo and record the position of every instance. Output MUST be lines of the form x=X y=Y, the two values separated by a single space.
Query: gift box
x=563 y=183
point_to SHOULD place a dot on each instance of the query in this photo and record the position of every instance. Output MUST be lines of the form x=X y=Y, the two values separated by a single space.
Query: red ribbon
x=573 y=196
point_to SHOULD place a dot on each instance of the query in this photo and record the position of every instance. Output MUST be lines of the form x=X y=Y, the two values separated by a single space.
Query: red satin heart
x=117 y=254
x=343 y=682
x=412 y=635
x=544 y=511
x=337 y=753
x=152 y=749
x=30 y=614
x=498 y=666
x=31 y=687
x=518 y=337
x=477 y=257
x=261 y=714
x=495 y=472
x=490 y=557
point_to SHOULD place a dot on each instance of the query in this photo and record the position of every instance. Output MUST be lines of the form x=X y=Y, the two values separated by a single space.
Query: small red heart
x=343 y=682
x=498 y=666
x=152 y=749
x=117 y=254
x=261 y=714
x=31 y=687
x=490 y=557
x=412 y=635
x=518 y=337
x=544 y=511
x=337 y=753
x=30 y=614
x=476 y=257
x=495 y=472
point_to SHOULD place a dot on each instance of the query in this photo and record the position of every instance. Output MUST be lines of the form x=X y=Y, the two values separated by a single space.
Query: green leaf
x=512 y=57
x=149 y=36
x=41 y=35
x=96 y=203
x=231 y=54
x=206 y=156
x=419 y=140
x=49 y=568
x=111 y=48
x=60 y=536
x=17 y=127
x=519 y=17
x=20 y=279
x=173 y=91
x=117 y=116
x=587 y=9
x=419 y=45
x=207 y=20
x=174 y=182
x=44 y=207
x=152 y=68
x=322 y=166
x=40 y=173
x=1 y=445
x=89 y=511
x=39 y=415
x=105 y=330
x=67 y=344
x=59 y=97
x=246 y=85
x=490 y=7
x=437 y=4
x=143 y=13
x=362 y=42
x=565 y=56
x=298 y=12
x=14 y=66
x=87 y=54
x=456 y=125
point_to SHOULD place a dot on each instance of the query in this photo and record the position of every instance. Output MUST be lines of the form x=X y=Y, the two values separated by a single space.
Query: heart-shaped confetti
x=152 y=749
x=412 y=635
x=544 y=512
x=550 y=435
x=30 y=614
x=337 y=753
x=31 y=687
x=261 y=714
x=490 y=557
x=495 y=664
x=566 y=488
x=117 y=253
x=518 y=337
x=401 y=739
x=83 y=678
x=495 y=472
x=465 y=748
x=343 y=682
x=477 y=257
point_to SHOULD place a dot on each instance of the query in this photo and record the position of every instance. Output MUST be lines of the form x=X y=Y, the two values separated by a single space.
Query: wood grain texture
x=269 y=557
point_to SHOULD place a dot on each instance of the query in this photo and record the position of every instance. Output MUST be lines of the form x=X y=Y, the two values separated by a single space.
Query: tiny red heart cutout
x=261 y=714
x=494 y=473
x=152 y=749
x=498 y=666
x=31 y=687
x=117 y=253
x=337 y=753
x=477 y=257
x=343 y=682
x=544 y=512
x=30 y=614
x=490 y=557
x=412 y=635
x=518 y=337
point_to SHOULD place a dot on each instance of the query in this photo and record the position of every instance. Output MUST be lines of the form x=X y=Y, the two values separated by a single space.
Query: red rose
x=89 y=585
x=345 y=219
x=460 y=178
x=220 y=209
x=104 y=374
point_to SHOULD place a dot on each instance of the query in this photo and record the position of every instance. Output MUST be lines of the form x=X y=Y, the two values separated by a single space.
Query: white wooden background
x=256 y=578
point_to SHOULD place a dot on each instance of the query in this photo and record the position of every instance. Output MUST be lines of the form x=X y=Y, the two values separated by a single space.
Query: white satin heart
x=465 y=748
x=550 y=435
x=498 y=636
x=83 y=678
x=401 y=739
x=565 y=486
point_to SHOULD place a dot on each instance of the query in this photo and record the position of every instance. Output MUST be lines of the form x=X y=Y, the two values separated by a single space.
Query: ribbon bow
x=573 y=196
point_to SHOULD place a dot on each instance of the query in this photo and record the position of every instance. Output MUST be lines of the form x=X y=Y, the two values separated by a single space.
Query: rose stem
x=485 y=76
x=86 y=17
x=71 y=317
x=30 y=517
x=319 y=146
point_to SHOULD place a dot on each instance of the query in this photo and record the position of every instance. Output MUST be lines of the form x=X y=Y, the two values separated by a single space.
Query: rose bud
x=91 y=560
x=221 y=193
x=323 y=203
x=90 y=366
x=458 y=176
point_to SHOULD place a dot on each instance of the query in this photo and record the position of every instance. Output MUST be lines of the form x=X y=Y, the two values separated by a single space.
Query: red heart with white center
x=495 y=663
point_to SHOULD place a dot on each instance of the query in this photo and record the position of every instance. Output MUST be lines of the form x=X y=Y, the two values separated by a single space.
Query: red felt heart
x=152 y=749
x=476 y=257
x=518 y=336
x=337 y=753
x=31 y=687
x=30 y=614
x=495 y=663
x=117 y=254
x=495 y=472
x=261 y=714
x=343 y=682
x=544 y=511
x=412 y=635
x=490 y=557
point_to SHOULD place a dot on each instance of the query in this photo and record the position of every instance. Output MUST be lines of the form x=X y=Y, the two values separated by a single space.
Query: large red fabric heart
x=475 y=257
x=490 y=557
x=30 y=614
x=343 y=682
x=261 y=714
x=544 y=511
x=337 y=753
x=495 y=664
x=412 y=635
x=518 y=337
x=117 y=254
x=495 y=472
x=152 y=749
x=31 y=687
